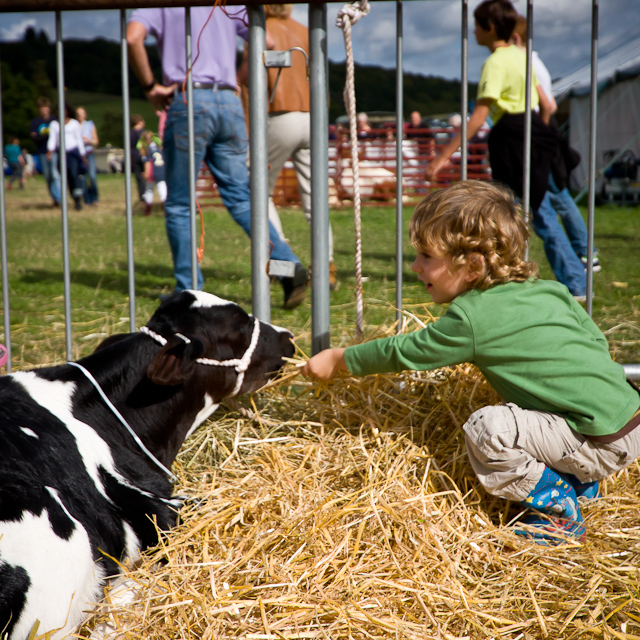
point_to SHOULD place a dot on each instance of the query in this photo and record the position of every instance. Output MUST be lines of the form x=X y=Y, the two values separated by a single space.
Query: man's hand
x=325 y=365
x=160 y=96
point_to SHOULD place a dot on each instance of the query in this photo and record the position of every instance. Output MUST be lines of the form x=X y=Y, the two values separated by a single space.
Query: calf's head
x=215 y=342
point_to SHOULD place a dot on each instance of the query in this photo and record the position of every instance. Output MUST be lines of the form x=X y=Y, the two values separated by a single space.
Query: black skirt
x=506 y=154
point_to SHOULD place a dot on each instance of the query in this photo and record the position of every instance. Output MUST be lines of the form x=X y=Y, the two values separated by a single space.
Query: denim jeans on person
x=51 y=175
x=221 y=141
x=564 y=261
x=75 y=171
x=570 y=216
x=90 y=180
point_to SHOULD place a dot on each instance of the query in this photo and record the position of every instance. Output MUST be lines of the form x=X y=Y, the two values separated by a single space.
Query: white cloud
x=15 y=31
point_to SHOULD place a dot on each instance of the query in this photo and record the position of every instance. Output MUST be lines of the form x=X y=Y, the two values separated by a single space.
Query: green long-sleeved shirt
x=533 y=342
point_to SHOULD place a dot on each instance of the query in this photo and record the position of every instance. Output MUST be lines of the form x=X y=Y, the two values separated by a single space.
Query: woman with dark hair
x=74 y=150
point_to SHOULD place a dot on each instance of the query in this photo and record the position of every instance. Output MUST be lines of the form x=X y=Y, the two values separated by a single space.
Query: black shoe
x=295 y=288
x=78 y=203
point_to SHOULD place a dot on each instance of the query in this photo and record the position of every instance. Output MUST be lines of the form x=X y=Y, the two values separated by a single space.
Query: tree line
x=29 y=70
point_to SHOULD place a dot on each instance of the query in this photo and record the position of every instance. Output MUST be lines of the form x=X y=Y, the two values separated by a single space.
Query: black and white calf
x=84 y=475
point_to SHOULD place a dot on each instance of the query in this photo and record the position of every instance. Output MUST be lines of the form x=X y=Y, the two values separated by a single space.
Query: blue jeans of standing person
x=90 y=180
x=51 y=175
x=572 y=221
x=564 y=261
x=220 y=141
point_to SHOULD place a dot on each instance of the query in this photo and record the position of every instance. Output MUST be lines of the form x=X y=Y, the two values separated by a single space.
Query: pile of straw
x=349 y=510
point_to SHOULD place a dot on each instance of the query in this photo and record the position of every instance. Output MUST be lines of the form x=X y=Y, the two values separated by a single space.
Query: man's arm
x=159 y=95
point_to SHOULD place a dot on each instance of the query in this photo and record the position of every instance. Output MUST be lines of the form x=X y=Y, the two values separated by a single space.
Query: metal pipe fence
x=391 y=152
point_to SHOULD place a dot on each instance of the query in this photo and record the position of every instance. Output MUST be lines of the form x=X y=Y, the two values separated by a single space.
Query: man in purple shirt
x=219 y=129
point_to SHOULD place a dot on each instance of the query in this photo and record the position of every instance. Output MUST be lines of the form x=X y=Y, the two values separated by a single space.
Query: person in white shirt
x=74 y=149
x=557 y=199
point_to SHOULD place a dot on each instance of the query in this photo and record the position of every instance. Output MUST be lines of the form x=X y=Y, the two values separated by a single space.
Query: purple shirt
x=216 y=61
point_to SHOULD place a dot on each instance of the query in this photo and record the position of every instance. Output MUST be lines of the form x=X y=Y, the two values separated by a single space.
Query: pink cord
x=3 y=355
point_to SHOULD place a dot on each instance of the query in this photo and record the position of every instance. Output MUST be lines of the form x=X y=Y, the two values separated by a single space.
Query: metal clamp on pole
x=281 y=60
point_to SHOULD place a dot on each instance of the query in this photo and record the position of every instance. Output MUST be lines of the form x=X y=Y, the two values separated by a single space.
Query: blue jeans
x=220 y=141
x=564 y=261
x=572 y=221
x=90 y=180
x=51 y=175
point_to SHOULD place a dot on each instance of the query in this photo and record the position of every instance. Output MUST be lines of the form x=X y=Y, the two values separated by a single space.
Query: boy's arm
x=477 y=119
x=325 y=365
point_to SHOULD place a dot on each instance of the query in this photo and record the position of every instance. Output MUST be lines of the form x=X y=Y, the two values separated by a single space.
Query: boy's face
x=436 y=273
x=484 y=38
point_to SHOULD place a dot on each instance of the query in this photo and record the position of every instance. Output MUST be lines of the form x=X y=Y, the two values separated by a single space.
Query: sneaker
x=333 y=276
x=78 y=203
x=295 y=287
x=581 y=298
x=595 y=263
x=147 y=209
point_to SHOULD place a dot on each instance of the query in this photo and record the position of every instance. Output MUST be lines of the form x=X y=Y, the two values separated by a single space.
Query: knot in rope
x=353 y=12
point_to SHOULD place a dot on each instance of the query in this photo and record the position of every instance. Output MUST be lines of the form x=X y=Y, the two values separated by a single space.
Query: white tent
x=618 y=109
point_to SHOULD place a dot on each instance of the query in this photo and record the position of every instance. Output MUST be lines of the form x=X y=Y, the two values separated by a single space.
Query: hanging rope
x=348 y=16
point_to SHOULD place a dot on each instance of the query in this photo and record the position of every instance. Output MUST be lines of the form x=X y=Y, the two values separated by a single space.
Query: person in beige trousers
x=289 y=120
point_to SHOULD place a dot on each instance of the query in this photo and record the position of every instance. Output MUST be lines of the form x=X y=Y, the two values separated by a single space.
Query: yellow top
x=503 y=80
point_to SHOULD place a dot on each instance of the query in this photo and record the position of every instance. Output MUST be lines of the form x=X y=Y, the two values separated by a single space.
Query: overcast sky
x=562 y=32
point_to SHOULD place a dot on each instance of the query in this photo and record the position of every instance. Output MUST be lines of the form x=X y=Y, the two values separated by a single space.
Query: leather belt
x=207 y=86
x=612 y=437
x=214 y=86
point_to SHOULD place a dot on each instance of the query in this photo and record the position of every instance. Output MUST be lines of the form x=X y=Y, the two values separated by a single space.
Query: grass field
x=99 y=290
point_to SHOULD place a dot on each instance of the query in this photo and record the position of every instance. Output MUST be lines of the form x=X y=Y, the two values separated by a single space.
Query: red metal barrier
x=377 y=164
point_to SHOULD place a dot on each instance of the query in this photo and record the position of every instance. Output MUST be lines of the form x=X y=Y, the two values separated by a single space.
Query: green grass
x=99 y=281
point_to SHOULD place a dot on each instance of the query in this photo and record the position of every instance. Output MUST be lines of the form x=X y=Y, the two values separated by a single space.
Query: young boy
x=150 y=147
x=569 y=414
x=502 y=96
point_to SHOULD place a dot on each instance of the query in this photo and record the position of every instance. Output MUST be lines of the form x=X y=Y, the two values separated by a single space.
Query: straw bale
x=348 y=510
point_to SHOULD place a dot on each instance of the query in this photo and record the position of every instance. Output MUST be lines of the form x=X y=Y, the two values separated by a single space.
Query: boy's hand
x=434 y=167
x=325 y=365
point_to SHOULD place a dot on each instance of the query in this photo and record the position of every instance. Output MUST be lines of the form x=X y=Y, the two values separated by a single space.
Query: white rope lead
x=118 y=415
x=348 y=16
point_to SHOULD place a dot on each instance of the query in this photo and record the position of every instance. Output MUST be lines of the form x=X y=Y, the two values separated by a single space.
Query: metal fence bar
x=64 y=201
x=632 y=371
x=259 y=164
x=464 y=90
x=4 y=258
x=399 y=137
x=526 y=177
x=192 y=146
x=592 y=152
x=126 y=128
x=319 y=99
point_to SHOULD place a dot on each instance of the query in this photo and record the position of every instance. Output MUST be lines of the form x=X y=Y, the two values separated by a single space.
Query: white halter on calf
x=239 y=364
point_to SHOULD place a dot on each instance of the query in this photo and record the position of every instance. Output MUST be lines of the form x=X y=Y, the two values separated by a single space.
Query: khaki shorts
x=509 y=448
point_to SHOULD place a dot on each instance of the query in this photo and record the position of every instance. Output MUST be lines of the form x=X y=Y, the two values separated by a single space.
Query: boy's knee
x=492 y=431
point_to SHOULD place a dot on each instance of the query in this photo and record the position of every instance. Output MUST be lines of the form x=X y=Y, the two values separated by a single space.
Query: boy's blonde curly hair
x=479 y=225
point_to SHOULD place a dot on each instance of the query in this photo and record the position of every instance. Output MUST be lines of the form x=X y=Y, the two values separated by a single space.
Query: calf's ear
x=175 y=362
